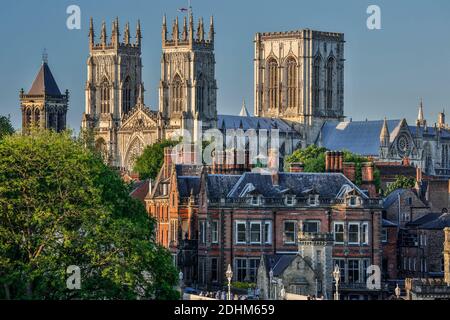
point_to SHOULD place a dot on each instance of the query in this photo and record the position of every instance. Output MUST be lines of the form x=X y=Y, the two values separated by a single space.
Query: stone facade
x=299 y=75
x=113 y=87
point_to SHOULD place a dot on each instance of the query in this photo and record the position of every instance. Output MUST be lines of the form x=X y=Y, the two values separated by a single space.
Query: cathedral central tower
x=187 y=90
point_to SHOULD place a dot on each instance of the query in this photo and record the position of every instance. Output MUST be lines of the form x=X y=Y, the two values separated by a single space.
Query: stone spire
x=420 y=118
x=184 y=34
x=191 y=28
x=200 y=30
x=140 y=98
x=384 y=135
x=211 y=29
x=126 y=34
x=175 y=30
x=91 y=33
x=138 y=34
x=103 y=36
x=115 y=32
x=164 y=29
x=441 y=119
x=244 y=112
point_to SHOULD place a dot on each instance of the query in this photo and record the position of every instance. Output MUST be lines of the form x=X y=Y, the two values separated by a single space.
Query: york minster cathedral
x=298 y=91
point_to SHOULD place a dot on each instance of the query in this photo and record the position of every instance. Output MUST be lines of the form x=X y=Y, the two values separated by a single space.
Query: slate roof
x=438 y=224
x=360 y=137
x=278 y=263
x=327 y=185
x=188 y=185
x=424 y=220
x=244 y=122
x=220 y=185
x=430 y=131
x=44 y=83
x=392 y=197
x=388 y=224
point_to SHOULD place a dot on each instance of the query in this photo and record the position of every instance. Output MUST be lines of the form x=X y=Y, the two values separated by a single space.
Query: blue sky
x=386 y=71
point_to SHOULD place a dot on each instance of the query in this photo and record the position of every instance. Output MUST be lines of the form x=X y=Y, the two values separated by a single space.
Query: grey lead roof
x=360 y=137
x=237 y=122
x=44 y=83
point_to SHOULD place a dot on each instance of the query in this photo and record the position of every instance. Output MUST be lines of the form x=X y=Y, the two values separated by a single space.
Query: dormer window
x=290 y=200
x=255 y=200
x=353 y=201
x=313 y=200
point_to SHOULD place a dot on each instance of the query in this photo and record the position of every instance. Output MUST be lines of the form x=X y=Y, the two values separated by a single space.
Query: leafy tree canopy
x=313 y=158
x=6 y=127
x=150 y=162
x=61 y=206
x=401 y=182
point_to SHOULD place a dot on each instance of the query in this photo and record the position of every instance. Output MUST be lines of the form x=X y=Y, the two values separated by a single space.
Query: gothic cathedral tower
x=187 y=90
x=299 y=76
x=44 y=106
x=114 y=81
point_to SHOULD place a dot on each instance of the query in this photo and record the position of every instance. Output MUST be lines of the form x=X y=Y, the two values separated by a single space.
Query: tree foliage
x=313 y=158
x=61 y=206
x=150 y=162
x=401 y=182
x=6 y=127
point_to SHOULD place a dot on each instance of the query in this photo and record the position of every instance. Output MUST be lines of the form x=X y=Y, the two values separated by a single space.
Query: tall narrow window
x=177 y=92
x=273 y=84
x=289 y=232
x=104 y=97
x=330 y=69
x=291 y=83
x=37 y=118
x=241 y=232
x=200 y=94
x=215 y=231
x=126 y=96
x=214 y=270
x=316 y=83
x=339 y=233
x=28 y=118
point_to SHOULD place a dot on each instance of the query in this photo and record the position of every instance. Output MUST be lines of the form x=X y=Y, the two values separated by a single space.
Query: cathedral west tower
x=114 y=83
x=187 y=90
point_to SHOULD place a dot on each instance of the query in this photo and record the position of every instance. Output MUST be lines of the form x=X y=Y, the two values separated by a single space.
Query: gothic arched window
x=104 y=97
x=28 y=118
x=291 y=83
x=126 y=96
x=37 y=118
x=177 y=93
x=330 y=68
x=200 y=91
x=428 y=159
x=316 y=83
x=273 y=83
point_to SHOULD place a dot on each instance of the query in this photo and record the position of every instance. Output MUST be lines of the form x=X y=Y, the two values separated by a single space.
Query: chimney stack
x=296 y=167
x=367 y=172
x=349 y=169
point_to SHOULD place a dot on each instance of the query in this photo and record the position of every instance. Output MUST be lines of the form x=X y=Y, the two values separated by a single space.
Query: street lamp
x=229 y=275
x=337 y=278
x=398 y=292
x=270 y=282
x=180 y=277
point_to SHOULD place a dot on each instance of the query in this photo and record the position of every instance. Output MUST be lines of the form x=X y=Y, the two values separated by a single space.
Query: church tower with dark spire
x=44 y=106
x=114 y=81
x=187 y=90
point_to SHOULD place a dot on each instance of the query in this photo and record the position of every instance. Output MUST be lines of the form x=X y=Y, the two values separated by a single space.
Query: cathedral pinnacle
x=138 y=34
x=164 y=29
x=211 y=29
x=91 y=32
x=420 y=118
x=200 y=30
x=103 y=36
x=384 y=135
x=126 y=35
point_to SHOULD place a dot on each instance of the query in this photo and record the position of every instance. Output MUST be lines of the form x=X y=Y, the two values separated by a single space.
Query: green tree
x=313 y=158
x=401 y=182
x=61 y=206
x=150 y=162
x=6 y=127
